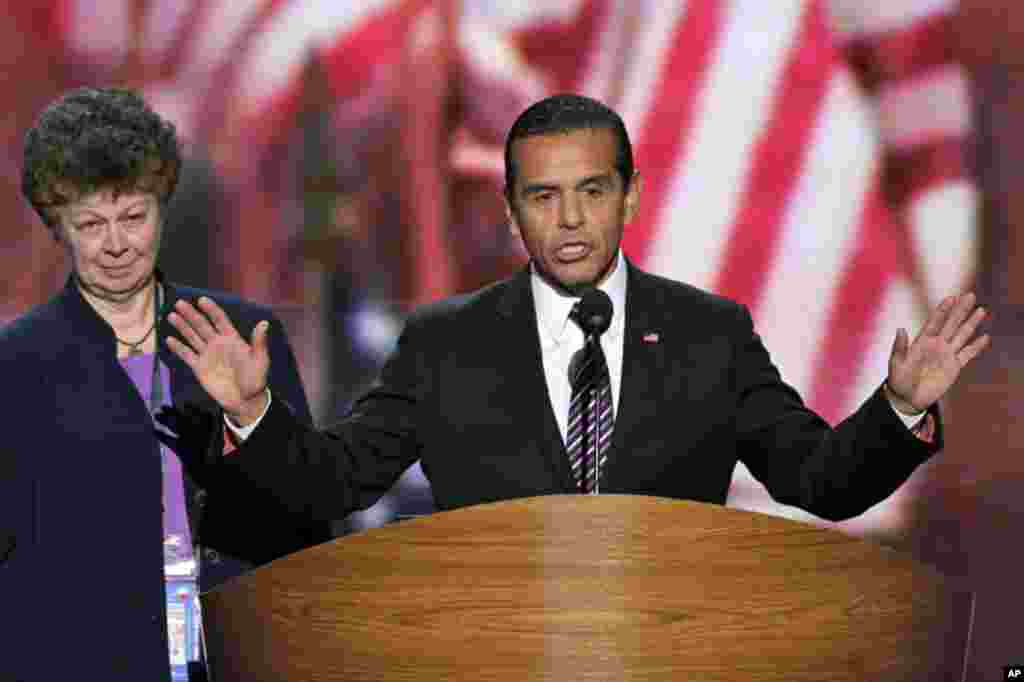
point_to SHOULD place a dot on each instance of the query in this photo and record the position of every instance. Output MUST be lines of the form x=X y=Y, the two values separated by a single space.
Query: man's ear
x=633 y=196
x=510 y=215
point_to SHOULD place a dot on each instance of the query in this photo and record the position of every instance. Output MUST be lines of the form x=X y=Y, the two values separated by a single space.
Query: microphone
x=593 y=313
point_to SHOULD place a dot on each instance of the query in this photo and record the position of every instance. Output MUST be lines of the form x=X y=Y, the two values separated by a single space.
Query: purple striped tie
x=588 y=434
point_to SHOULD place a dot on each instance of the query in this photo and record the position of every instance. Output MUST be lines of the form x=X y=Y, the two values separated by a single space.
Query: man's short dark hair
x=565 y=113
x=94 y=139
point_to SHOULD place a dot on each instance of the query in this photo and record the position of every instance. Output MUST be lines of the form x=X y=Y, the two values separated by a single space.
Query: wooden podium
x=609 y=587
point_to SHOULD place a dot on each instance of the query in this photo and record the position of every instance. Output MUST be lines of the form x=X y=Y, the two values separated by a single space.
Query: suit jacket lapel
x=524 y=355
x=185 y=388
x=643 y=358
x=184 y=385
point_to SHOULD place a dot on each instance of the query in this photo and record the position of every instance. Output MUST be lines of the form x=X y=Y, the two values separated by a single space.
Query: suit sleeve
x=21 y=571
x=350 y=465
x=832 y=473
x=242 y=519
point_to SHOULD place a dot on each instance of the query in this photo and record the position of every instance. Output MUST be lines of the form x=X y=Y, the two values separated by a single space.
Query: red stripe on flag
x=903 y=54
x=380 y=38
x=424 y=136
x=349 y=62
x=912 y=171
x=564 y=50
x=778 y=157
x=668 y=121
x=57 y=25
x=853 y=319
x=215 y=107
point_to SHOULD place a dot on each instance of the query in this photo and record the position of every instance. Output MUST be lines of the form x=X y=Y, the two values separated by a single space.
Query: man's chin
x=578 y=288
x=573 y=284
x=576 y=280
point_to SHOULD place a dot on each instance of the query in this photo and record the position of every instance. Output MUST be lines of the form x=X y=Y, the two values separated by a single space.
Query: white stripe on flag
x=924 y=108
x=646 y=60
x=898 y=308
x=862 y=17
x=612 y=47
x=219 y=30
x=942 y=224
x=162 y=26
x=99 y=28
x=734 y=107
x=514 y=15
x=820 y=230
x=280 y=52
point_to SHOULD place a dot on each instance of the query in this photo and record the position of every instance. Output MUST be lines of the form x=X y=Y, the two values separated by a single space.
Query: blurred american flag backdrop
x=806 y=158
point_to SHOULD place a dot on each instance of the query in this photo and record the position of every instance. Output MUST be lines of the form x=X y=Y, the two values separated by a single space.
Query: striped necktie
x=589 y=431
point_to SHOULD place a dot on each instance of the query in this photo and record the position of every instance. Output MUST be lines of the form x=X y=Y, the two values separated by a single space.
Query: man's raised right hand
x=231 y=370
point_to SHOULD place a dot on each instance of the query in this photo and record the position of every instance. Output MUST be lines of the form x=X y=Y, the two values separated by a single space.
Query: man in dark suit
x=485 y=388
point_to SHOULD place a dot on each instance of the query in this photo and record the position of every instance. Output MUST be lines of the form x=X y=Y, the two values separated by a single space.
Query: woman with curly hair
x=108 y=518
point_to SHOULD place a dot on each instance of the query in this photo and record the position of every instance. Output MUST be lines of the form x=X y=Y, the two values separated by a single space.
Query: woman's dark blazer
x=80 y=495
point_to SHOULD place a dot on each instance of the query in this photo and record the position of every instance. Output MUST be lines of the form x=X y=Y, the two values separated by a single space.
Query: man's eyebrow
x=604 y=179
x=537 y=187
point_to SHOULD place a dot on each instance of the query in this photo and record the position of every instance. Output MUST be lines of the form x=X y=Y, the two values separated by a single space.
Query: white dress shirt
x=560 y=337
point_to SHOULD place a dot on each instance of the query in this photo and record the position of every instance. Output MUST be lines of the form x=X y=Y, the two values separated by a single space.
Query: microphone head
x=593 y=313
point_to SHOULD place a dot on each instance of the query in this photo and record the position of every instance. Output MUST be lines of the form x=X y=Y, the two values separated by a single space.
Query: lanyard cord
x=156 y=388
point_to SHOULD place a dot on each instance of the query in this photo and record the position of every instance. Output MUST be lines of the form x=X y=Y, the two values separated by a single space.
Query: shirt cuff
x=910 y=421
x=243 y=432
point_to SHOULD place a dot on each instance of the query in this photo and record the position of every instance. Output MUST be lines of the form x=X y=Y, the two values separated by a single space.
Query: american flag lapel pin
x=652 y=337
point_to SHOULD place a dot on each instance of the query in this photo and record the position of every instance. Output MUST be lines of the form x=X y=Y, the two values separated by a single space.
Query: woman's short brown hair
x=93 y=139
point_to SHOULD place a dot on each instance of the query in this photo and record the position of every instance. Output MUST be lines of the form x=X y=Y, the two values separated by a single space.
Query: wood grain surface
x=589 y=588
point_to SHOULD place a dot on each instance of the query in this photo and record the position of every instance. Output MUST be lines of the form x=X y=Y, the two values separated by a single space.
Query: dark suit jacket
x=465 y=392
x=80 y=496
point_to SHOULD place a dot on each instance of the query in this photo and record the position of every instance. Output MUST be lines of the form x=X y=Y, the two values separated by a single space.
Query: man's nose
x=572 y=212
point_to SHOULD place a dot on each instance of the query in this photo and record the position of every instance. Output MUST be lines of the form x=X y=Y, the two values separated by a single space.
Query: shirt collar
x=553 y=306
